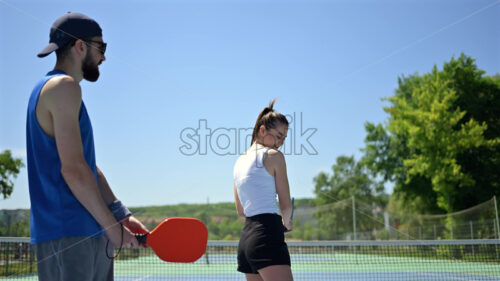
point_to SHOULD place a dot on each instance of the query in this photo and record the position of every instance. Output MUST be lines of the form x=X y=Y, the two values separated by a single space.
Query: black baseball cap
x=67 y=27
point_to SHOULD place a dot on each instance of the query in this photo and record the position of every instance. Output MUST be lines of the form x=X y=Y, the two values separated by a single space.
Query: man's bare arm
x=63 y=100
x=133 y=224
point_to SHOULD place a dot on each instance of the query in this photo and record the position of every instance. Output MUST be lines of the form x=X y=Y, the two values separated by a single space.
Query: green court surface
x=328 y=260
x=319 y=264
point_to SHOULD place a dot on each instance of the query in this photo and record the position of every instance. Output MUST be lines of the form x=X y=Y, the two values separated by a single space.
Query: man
x=72 y=205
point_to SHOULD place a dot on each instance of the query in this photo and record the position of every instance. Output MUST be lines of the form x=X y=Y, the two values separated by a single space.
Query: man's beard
x=90 y=70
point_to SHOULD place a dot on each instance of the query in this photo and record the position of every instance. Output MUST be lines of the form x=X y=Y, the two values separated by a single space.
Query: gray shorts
x=75 y=259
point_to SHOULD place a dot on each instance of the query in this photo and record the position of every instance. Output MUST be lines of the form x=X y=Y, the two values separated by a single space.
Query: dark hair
x=269 y=118
x=63 y=52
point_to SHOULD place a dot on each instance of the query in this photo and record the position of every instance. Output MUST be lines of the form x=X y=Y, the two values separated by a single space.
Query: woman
x=259 y=175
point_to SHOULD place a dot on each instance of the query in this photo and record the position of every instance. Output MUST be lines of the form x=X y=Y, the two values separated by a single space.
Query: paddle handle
x=141 y=238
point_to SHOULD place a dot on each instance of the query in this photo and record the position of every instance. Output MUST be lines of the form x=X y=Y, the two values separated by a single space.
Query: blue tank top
x=55 y=211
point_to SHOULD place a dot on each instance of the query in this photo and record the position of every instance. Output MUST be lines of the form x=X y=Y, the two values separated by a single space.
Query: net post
x=31 y=257
x=451 y=226
x=472 y=237
x=7 y=259
x=471 y=230
x=354 y=217
x=207 y=260
x=496 y=226
x=496 y=216
x=496 y=235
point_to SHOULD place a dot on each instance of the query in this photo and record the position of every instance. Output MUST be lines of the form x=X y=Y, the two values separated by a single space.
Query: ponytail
x=269 y=118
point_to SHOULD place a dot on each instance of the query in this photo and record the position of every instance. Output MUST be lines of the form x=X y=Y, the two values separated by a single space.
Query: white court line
x=144 y=278
x=456 y=278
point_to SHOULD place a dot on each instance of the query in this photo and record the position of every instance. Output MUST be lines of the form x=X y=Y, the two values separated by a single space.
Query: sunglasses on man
x=102 y=45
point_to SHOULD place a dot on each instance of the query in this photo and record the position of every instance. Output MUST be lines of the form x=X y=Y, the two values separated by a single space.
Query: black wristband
x=119 y=210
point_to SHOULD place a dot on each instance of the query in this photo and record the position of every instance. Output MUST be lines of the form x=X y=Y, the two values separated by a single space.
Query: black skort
x=262 y=243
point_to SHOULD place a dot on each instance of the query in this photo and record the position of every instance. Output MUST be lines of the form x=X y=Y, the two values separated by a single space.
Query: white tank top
x=256 y=187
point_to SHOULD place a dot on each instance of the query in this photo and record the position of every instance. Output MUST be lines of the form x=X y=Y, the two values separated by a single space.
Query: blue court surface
x=333 y=276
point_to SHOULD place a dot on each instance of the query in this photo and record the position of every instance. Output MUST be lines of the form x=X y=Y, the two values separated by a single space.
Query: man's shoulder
x=62 y=86
x=62 y=82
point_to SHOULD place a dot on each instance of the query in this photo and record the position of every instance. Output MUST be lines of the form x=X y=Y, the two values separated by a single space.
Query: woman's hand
x=288 y=225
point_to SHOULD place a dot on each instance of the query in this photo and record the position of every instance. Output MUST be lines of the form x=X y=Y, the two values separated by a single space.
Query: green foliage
x=9 y=168
x=436 y=136
x=17 y=268
x=221 y=219
x=223 y=222
x=349 y=179
x=14 y=223
x=334 y=195
x=441 y=145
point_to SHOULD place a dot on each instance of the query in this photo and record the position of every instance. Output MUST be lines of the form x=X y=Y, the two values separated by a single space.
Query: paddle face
x=178 y=239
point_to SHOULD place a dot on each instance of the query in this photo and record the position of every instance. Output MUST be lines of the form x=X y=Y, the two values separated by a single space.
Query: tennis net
x=316 y=260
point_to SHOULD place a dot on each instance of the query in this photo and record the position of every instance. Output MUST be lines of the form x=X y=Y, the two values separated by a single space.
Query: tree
x=334 y=195
x=440 y=146
x=9 y=168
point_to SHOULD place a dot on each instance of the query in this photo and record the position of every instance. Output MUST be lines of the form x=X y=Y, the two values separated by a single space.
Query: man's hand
x=120 y=236
x=134 y=225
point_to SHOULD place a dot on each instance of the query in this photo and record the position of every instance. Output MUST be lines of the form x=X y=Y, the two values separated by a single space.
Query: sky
x=184 y=81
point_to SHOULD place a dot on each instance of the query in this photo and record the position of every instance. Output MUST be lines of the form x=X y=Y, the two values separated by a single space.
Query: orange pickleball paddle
x=177 y=239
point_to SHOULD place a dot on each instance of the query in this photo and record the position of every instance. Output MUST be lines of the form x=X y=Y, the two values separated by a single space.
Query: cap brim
x=48 y=49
